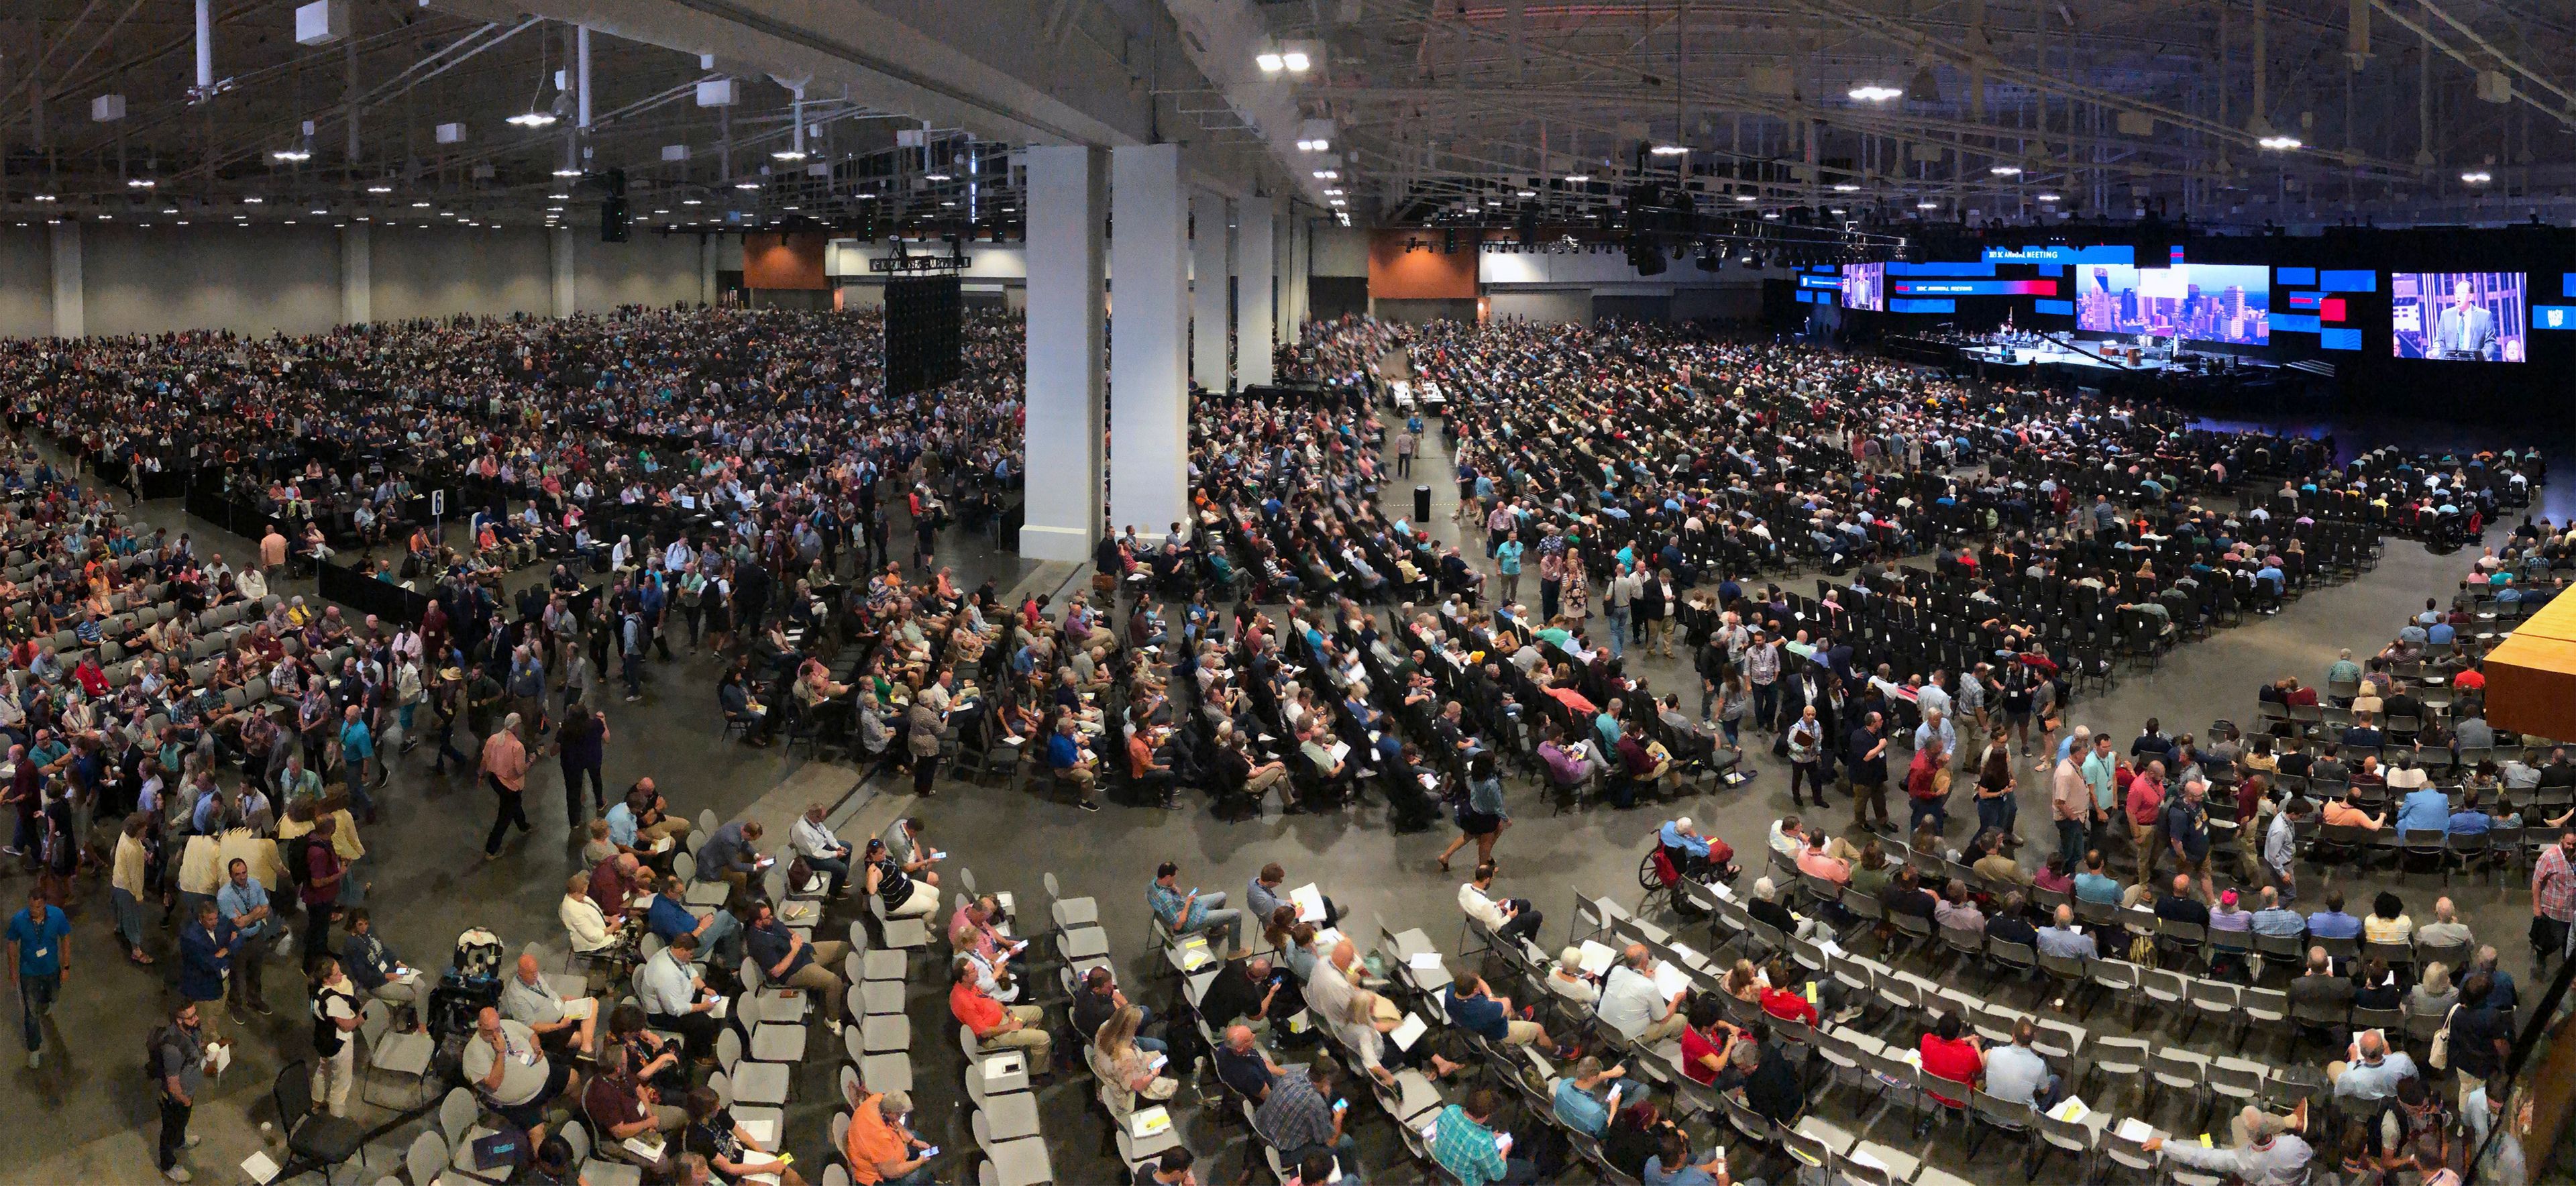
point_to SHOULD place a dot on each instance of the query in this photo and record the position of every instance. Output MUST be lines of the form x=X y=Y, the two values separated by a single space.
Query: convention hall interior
x=1205 y=592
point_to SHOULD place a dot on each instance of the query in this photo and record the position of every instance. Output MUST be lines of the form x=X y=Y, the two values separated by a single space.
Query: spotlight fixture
x=1270 y=61
x=291 y=155
x=1296 y=61
x=2006 y=170
x=1875 y=94
x=380 y=189
x=2279 y=143
x=531 y=119
x=2477 y=177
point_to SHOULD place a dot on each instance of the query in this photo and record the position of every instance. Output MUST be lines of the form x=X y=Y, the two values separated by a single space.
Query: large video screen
x=2458 y=316
x=2200 y=302
x=1865 y=287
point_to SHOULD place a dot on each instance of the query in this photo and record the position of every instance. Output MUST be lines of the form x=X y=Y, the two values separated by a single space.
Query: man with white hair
x=2269 y=1154
x=2446 y=929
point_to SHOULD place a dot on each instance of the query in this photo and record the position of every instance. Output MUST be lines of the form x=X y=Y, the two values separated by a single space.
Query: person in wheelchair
x=1701 y=858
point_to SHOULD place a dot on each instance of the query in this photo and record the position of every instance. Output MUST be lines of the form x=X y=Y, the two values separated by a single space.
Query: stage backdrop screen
x=1865 y=287
x=2200 y=302
x=2458 y=316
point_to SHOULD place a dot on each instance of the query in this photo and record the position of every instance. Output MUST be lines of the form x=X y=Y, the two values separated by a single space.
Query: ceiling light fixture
x=788 y=154
x=2048 y=197
x=1927 y=204
x=140 y=183
x=746 y=185
x=45 y=198
x=1875 y=94
x=380 y=189
x=1668 y=150
x=2279 y=143
x=2006 y=170
x=420 y=205
x=1527 y=193
x=531 y=119
x=1270 y=61
x=2477 y=177
x=291 y=155
x=1846 y=188
x=935 y=177
x=1746 y=198
x=1328 y=174
x=252 y=199
x=1578 y=178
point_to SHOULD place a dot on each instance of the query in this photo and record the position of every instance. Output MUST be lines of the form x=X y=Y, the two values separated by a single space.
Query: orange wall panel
x=788 y=260
x=1429 y=274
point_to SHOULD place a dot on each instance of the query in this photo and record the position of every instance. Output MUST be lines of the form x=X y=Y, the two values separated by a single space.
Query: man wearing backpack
x=175 y=1056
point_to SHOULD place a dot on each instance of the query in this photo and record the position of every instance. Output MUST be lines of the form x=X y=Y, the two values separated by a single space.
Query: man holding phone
x=1301 y=1116
x=880 y=1147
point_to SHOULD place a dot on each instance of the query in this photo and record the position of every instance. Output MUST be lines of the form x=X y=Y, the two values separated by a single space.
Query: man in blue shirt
x=2426 y=808
x=1065 y=758
x=1193 y=912
x=243 y=901
x=2332 y=922
x=2092 y=885
x=2270 y=918
x=38 y=936
x=1474 y=1008
x=1586 y=1099
x=2471 y=819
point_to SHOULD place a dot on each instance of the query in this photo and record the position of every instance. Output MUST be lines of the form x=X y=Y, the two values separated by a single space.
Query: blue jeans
x=838 y=867
x=36 y=997
x=2070 y=842
x=1618 y=630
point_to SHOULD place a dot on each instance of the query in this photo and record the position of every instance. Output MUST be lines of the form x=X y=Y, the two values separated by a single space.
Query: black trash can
x=1422 y=504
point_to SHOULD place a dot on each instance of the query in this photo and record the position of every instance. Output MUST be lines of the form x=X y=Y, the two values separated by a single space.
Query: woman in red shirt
x=1704 y=1041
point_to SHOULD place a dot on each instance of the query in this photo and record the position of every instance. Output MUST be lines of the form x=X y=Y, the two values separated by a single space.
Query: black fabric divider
x=367 y=595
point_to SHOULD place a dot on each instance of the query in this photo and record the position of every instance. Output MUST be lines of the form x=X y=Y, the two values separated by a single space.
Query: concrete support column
x=357 y=264
x=71 y=319
x=1210 y=334
x=559 y=269
x=1293 y=267
x=1068 y=205
x=1255 y=260
x=1149 y=370
x=709 y=246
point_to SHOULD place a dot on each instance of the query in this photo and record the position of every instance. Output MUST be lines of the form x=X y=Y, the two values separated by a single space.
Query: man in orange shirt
x=1147 y=775
x=1018 y=1025
x=2347 y=812
x=880 y=1147
x=505 y=770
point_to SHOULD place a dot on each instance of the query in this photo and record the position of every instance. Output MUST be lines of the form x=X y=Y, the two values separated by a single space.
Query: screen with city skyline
x=1865 y=287
x=2457 y=316
x=2199 y=302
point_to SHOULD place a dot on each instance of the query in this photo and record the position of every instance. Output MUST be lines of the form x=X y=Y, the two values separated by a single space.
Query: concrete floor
x=428 y=882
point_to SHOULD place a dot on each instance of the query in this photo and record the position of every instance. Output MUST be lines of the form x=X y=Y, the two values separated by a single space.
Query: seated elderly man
x=2373 y=1070
x=557 y=1021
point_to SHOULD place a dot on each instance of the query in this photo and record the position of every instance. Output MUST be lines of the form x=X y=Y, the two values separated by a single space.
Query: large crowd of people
x=737 y=481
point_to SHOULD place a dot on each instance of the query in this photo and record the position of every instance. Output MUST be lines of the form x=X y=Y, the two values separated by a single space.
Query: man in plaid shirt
x=2553 y=897
x=1463 y=1144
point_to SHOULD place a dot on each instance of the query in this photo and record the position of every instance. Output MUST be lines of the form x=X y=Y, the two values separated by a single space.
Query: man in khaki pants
x=994 y=1025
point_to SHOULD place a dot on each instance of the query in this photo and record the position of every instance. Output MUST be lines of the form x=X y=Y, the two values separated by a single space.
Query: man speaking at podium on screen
x=2465 y=330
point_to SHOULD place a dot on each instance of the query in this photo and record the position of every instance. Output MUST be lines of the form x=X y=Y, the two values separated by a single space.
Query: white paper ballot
x=1597 y=957
x=763 y=1130
x=722 y=1005
x=259 y=1168
x=1341 y=750
x=2134 y=1129
x=1146 y=1122
x=1309 y=901
x=1670 y=979
x=580 y=1008
x=2070 y=1110
x=1409 y=1031
x=1424 y=961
